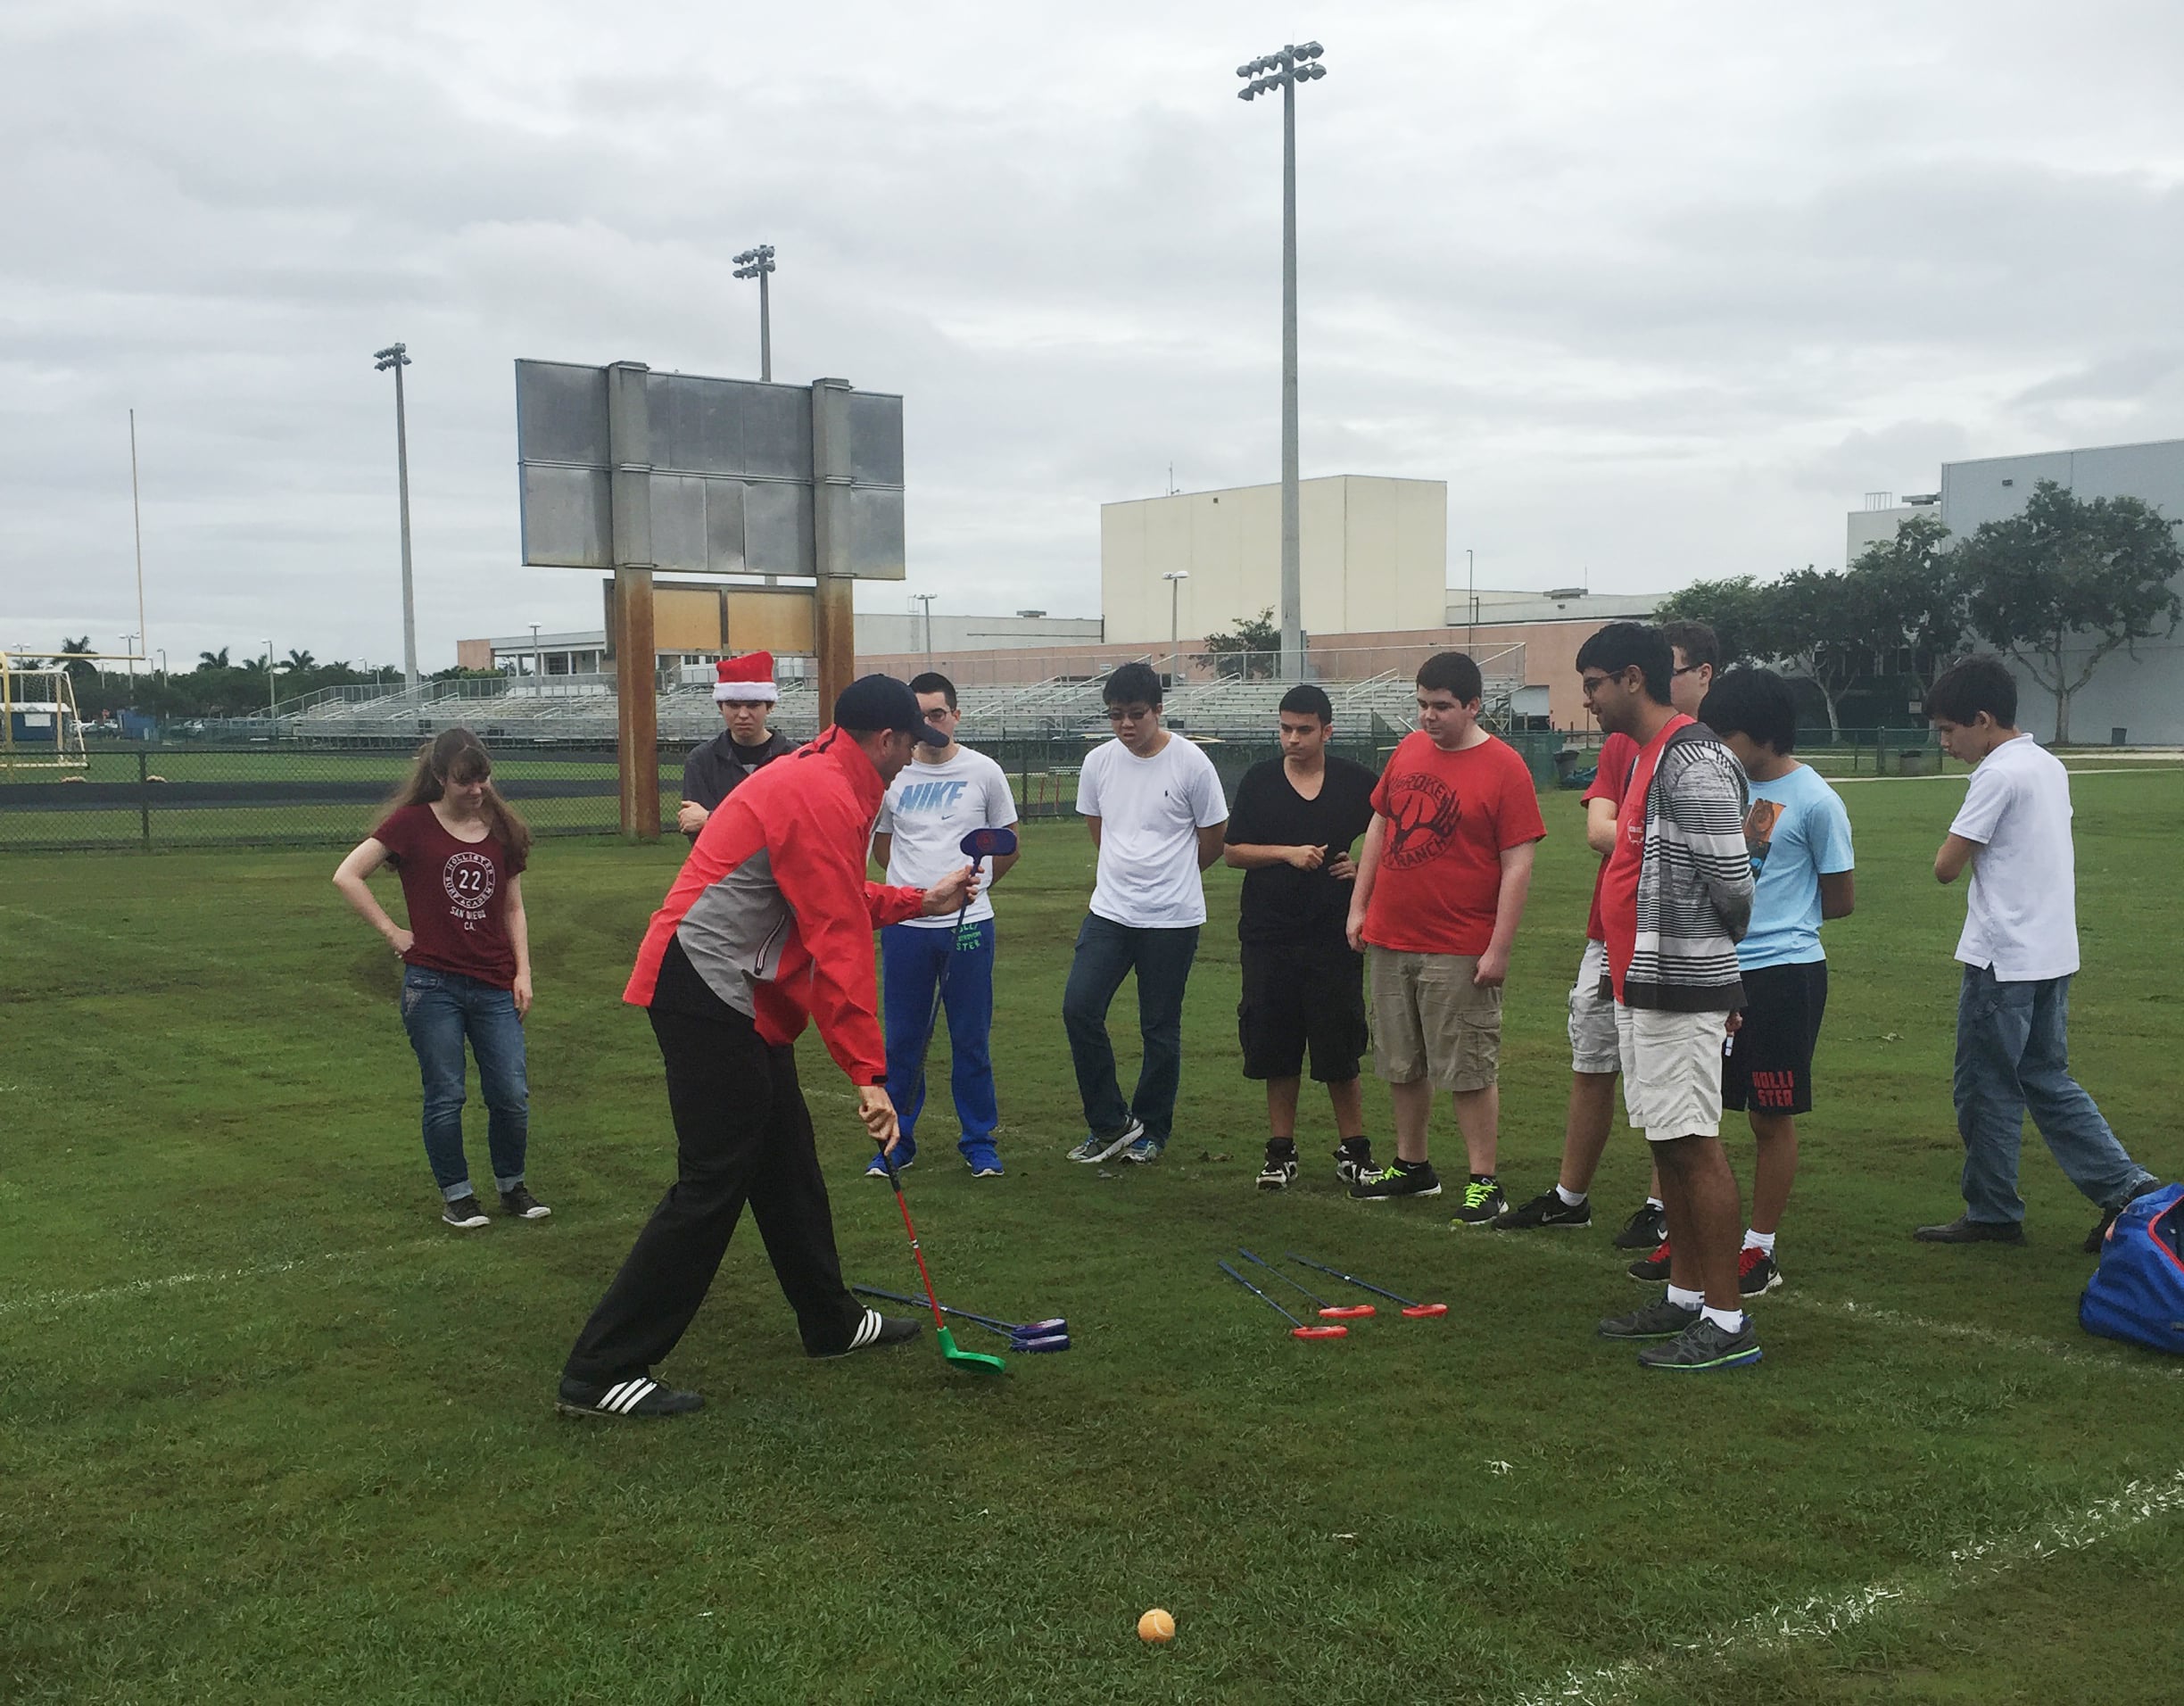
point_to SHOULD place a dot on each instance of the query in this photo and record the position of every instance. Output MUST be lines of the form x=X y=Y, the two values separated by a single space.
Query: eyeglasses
x=1589 y=682
x=1131 y=713
x=1688 y=669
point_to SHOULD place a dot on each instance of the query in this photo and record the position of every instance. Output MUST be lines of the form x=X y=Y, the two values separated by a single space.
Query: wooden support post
x=834 y=606
x=637 y=699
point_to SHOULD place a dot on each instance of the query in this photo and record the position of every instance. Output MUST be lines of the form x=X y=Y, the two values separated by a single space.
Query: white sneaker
x=1099 y=1149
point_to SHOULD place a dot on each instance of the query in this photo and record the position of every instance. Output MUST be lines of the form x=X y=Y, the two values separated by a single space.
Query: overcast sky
x=1659 y=290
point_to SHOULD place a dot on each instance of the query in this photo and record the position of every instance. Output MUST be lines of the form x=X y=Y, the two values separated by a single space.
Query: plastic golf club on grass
x=977 y=1359
x=1411 y=1307
x=1328 y=1311
x=1030 y=1336
x=1297 y=1329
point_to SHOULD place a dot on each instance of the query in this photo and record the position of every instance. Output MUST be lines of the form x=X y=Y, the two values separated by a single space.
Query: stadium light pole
x=926 y=599
x=395 y=356
x=1285 y=71
x=130 y=640
x=758 y=263
x=272 y=694
x=538 y=667
x=1175 y=578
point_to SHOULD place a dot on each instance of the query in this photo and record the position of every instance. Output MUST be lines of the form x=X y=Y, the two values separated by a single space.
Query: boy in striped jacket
x=1676 y=899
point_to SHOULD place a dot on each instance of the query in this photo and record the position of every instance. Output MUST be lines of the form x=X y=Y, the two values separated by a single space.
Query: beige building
x=1374 y=554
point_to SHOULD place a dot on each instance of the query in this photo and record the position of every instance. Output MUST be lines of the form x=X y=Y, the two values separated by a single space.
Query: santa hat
x=747 y=679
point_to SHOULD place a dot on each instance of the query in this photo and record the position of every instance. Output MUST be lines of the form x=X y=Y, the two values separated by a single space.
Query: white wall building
x=2132 y=700
x=1374 y=555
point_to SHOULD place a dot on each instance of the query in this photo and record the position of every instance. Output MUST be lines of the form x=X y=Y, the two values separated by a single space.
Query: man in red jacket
x=769 y=924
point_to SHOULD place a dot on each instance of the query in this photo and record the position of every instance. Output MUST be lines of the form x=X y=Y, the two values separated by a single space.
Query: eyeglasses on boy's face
x=1131 y=713
x=1590 y=683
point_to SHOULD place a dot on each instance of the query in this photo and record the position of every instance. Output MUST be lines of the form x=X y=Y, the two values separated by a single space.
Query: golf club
x=977 y=1359
x=1328 y=1311
x=1039 y=1335
x=1297 y=1329
x=1414 y=1310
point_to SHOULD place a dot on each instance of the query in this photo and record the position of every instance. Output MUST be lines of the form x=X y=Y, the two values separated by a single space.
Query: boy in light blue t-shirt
x=1799 y=835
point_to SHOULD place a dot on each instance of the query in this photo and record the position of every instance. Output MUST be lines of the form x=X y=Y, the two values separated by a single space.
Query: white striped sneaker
x=639 y=1395
x=874 y=1328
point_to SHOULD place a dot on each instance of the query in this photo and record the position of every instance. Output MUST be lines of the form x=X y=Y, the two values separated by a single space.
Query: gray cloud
x=1660 y=292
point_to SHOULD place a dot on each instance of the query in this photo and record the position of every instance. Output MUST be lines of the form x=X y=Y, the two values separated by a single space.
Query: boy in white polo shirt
x=1157 y=811
x=930 y=963
x=2019 y=950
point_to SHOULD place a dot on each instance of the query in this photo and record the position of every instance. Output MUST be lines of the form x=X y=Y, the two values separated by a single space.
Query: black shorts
x=1768 y=1068
x=1300 y=997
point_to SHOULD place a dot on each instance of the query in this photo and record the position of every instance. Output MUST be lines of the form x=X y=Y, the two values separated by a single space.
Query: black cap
x=875 y=702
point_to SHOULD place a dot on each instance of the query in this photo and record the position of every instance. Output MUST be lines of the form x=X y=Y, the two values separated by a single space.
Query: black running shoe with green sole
x=1659 y=1318
x=1702 y=1346
x=1547 y=1209
x=1645 y=1228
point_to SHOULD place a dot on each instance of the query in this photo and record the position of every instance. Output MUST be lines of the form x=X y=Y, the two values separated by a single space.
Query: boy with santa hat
x=745 y=693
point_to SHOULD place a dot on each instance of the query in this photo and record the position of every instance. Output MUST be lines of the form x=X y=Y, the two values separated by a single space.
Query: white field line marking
x=2106 y=770
x=49 y=1300
x=1822 y=1616
x=1998 y=1339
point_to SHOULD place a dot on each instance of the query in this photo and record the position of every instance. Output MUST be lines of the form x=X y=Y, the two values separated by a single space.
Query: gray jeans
x=2012 y=1057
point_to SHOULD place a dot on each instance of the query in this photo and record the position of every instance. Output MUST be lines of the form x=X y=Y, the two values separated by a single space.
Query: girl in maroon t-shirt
x=460 y=851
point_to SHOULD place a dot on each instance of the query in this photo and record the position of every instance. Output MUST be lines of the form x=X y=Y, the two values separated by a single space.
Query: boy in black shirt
x=1291 y=829
x=746 y=695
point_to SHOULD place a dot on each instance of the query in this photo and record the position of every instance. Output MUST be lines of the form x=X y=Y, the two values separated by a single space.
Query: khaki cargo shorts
x=1431 y=1021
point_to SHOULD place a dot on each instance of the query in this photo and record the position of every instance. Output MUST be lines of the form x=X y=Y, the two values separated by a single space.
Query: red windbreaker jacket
x=775 y=912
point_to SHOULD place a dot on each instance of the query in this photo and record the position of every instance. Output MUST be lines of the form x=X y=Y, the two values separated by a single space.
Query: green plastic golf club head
x=966 y=1359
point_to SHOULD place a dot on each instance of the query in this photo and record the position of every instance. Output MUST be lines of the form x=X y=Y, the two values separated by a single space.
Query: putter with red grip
x=977 y=1359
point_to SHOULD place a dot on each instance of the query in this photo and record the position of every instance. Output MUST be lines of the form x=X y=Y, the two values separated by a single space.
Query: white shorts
x=1593 y=1044
x=1672 y=1071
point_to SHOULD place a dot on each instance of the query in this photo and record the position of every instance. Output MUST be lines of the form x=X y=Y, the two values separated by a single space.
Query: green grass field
x=270 y=1431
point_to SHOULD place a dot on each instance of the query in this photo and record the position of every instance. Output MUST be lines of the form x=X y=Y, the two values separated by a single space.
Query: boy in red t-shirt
x=1441 y=886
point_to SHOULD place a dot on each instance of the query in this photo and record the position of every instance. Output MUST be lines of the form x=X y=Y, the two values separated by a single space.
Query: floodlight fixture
x=1283 y=71
x=393 y=356
x=756 y=262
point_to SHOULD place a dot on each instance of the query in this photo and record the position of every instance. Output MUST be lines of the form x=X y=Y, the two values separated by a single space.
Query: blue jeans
x=1107 y=953
x=961 y=964
x=439 y=1009
x=2011 y=1056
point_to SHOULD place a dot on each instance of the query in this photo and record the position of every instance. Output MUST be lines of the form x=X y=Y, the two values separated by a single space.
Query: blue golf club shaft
x=1261 y=1295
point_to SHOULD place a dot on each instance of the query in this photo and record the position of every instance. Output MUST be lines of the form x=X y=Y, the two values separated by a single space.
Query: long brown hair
x=457 y=756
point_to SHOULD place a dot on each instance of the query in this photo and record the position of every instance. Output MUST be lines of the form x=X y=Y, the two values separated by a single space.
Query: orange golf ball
x=1156 y=1625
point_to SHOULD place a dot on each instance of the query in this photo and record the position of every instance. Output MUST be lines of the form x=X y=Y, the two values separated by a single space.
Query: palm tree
x=81 y=668
x=212 y=660
x=300 y=660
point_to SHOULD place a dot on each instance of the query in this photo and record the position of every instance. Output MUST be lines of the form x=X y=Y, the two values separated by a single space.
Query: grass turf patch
x=270 y=1427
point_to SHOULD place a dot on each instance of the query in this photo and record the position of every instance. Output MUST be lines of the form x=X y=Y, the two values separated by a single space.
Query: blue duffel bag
x=2137 y=1294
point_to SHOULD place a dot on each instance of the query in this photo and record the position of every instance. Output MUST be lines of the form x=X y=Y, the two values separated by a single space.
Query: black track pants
x=742 y=1133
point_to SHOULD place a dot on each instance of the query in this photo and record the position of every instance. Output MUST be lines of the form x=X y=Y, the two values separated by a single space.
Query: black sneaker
x=1650 y=1270
x=1354 y=1160
x=1756 y=1274
x=1482 y=1204
x=1701 y=1346
x=639 y=1396
x=875 y=1329
x=1965 y=1229
x=2108 y=1216
x=522 y=1204
x=1548 y=1209
x=1645 y=1228
x=464 y=1212
x=1659 y=1318
x=1396 y=1179
x=1278 y=1171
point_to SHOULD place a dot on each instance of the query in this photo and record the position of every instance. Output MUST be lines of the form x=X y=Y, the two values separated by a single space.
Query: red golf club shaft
x=931 y=1295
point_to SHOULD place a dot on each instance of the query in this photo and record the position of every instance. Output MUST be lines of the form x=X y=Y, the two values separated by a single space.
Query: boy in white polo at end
x=2019 y=951
x=932 y=964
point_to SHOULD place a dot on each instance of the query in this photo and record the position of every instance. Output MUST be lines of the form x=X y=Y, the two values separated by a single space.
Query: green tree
x=1744 y=613
x=1250 y=651
x=212 y=660
x=299 y=660
x=73 y=659
x=2068 y=581
x=1913 y=591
